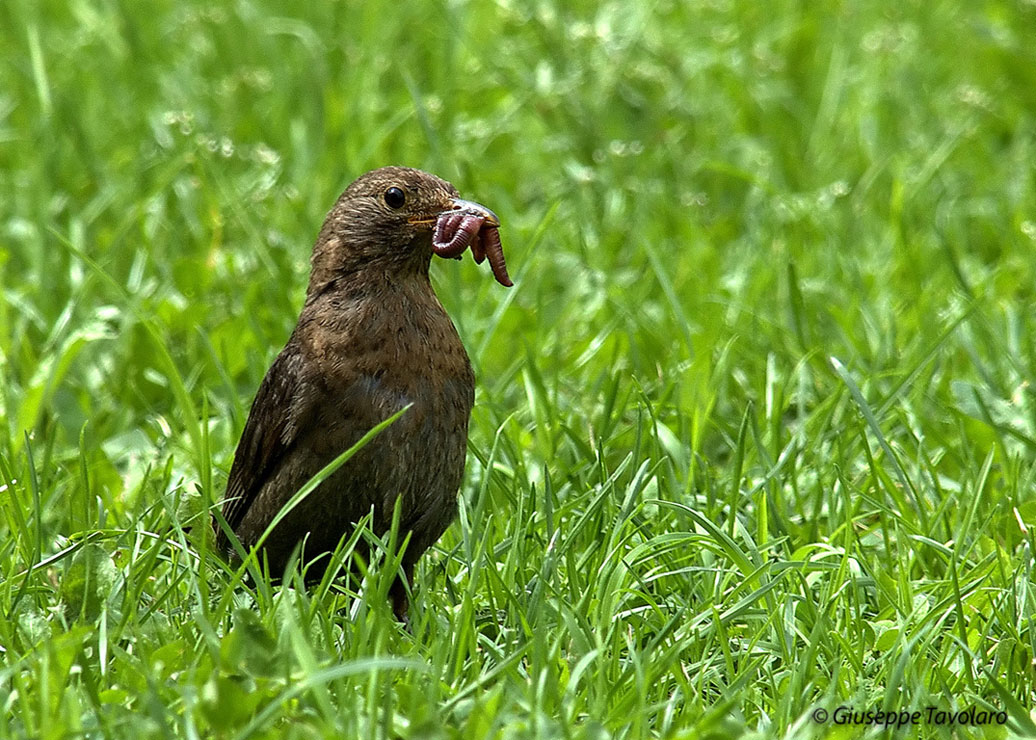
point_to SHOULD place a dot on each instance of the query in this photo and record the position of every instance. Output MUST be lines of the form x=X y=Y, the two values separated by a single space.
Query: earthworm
x=455 y=231
x=495 y=251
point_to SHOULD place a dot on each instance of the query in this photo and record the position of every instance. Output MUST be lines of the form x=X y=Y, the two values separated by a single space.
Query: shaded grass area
x=754 y=432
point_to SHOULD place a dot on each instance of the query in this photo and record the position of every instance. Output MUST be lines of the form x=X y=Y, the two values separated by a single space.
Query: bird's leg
x=398 y=594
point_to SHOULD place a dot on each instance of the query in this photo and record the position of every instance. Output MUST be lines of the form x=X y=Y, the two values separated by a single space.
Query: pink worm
x=455 y=231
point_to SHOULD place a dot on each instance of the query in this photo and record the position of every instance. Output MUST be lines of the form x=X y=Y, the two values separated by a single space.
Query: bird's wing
x=269 y=433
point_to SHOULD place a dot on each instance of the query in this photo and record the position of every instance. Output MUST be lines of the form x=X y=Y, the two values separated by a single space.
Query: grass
x=755 y=429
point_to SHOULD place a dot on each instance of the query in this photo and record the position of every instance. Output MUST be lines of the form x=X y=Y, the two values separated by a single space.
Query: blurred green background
x=703 y=203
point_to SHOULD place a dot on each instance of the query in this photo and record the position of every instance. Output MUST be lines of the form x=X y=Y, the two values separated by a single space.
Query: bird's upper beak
x=476 y=209
x=458 y=205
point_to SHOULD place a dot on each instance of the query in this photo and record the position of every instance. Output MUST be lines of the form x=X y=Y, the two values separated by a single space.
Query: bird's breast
x=379 y=354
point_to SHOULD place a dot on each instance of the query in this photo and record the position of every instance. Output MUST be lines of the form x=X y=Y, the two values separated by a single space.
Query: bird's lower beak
x=476 y=209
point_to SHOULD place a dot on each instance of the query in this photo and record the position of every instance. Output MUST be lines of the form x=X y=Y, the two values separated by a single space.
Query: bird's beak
x=459 y=205
x=476 y=209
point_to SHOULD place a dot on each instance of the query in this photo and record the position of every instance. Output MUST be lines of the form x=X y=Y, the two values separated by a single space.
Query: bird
x=371 y=339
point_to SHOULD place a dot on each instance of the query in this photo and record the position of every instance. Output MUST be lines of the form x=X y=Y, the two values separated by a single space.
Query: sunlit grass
x=754 y=432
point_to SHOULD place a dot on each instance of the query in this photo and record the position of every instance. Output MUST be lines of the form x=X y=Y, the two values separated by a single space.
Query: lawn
x=754 y=444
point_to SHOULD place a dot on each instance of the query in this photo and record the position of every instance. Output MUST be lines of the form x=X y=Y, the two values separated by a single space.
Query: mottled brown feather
x=371 y=338
x=265 y=439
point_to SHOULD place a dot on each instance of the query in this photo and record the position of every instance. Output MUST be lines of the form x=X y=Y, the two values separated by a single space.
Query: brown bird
x=372 y=337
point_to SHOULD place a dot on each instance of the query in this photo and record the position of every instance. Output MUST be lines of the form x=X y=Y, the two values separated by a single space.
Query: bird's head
x=383 y=223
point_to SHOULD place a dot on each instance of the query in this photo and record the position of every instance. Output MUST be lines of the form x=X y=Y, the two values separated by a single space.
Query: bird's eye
x=394 y=197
